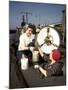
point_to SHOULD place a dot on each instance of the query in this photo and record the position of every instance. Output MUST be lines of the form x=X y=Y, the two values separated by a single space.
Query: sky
x=40 y=13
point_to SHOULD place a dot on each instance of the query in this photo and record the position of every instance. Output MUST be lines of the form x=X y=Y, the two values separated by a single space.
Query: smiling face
x=29 y=32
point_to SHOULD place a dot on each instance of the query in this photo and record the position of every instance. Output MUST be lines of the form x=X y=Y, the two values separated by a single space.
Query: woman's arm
x=44 y=72
x=22 y=45
x=41 y=53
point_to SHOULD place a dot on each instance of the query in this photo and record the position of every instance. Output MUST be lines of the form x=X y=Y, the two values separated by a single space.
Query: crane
x=26 y=14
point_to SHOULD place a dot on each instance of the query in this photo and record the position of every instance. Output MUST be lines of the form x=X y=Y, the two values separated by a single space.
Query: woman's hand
x=36 y=66
x=31 y=49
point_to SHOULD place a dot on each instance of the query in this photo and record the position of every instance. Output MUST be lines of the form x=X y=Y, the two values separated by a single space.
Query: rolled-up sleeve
x=45 y=57
x=21 y=43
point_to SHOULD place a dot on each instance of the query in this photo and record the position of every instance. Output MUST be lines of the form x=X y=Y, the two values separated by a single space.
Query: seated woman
x=26 y=43
x=54 y=67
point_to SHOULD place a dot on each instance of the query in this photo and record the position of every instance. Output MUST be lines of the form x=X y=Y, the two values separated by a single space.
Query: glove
x=36 y=66
x=31 y=49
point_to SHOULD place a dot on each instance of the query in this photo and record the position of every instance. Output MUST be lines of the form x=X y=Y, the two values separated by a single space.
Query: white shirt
x=25 y=40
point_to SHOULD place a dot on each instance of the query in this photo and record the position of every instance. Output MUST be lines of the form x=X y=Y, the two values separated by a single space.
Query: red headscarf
x=56 y=54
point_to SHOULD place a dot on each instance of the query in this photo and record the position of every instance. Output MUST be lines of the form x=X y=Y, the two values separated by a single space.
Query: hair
x=29 y=26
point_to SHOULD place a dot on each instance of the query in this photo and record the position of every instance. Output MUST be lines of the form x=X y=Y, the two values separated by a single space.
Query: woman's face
x=29 y=32
x=51 y=55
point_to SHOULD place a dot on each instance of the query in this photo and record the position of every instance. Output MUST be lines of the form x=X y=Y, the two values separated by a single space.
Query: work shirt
x=26 y=41
x=54 y=69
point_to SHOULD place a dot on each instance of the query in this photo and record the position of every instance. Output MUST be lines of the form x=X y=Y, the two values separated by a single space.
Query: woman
x=26 y=43
x=54 y=67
